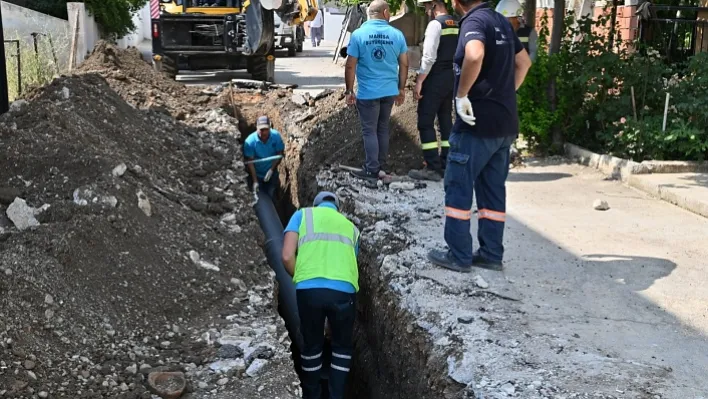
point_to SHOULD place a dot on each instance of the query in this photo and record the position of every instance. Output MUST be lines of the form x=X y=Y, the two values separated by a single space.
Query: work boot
x=480 y=261
x=446 y=260
x=425 y=174
x=365 y=174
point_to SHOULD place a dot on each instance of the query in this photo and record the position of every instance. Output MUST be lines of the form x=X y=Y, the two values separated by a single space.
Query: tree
x=554 y=48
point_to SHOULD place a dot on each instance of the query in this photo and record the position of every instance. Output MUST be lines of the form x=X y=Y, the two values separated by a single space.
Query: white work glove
x=255 y=188
x=464 y=110
x=268 y=175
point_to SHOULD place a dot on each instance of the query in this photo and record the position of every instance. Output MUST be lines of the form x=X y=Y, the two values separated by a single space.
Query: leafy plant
x=114 y=17
x=594 y=90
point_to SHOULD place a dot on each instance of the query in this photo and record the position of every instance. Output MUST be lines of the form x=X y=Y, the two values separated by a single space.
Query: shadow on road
x=536 y=177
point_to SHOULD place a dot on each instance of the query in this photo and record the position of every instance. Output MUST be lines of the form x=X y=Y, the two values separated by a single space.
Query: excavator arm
x=292 y=12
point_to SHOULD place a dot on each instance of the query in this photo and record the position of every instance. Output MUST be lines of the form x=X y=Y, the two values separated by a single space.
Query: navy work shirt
x=493 y=94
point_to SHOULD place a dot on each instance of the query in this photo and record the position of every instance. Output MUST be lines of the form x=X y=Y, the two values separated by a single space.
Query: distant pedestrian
x=377 y=57
x=490 y=65
x=320 y=250
x=317 y=28
x=433 y=89
x=265 y=142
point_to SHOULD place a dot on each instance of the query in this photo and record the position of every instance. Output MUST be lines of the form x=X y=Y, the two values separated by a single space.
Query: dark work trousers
x=271 y=188
x=437 y=101
x=339 y=308
x=480 y=166
x=375 y=116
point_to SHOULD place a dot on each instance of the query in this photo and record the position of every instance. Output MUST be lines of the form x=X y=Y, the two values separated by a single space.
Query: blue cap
x=326 y=195
x=263 y=122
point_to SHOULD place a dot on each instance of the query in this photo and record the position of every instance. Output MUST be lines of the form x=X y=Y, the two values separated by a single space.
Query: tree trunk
x=613 y=26
x=558 y=26
x=554 y=48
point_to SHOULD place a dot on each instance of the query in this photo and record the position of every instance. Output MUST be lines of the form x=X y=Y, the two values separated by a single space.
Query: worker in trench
x=527 y=35
x=320 y=251
x=263 y=151
x=433 y=89
x=376 y=57
x=490 y=65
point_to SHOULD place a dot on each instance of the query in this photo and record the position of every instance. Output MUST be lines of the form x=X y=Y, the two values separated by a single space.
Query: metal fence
x=13 y=51
x=678 y=32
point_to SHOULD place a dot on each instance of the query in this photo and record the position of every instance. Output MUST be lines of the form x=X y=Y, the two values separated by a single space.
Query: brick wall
x=627 y=22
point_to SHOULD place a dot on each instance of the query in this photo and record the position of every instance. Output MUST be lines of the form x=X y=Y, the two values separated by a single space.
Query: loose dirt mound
x=142 y=211
x=140 y=85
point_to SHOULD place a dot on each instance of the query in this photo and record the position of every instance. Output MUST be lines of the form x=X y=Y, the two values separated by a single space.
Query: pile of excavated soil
x=137 y=235
x=140 y=85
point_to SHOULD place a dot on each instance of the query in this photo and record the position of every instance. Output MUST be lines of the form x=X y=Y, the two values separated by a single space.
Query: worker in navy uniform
x=320 y=250
x=490 y=65
x=433 y=89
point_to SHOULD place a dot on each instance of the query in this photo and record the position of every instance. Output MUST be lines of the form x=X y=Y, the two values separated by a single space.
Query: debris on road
x=600 y=205
x=480 y=282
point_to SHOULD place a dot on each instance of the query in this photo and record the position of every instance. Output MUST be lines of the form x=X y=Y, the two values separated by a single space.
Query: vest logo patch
x=450 y=22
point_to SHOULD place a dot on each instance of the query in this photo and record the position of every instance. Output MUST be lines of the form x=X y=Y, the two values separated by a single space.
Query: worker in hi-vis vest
x=434 y=87
x=513 y=11
x=319 y=251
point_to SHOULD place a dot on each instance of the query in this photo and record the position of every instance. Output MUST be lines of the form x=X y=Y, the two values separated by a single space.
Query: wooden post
x=4 y=96
x=74 y=41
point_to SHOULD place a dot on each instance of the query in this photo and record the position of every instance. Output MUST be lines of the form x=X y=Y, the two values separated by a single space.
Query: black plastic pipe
x=273 y=229
x=287 y=300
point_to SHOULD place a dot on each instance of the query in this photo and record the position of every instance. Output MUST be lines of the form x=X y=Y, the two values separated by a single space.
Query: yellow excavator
x=223 y=34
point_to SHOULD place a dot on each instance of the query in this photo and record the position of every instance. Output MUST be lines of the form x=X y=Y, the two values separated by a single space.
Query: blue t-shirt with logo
x=343 y=286
x=257 y=149
x=377 y=45
x=493 y=95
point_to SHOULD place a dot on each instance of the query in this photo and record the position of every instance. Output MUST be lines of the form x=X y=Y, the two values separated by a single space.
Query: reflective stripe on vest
x=449 y=31
x=310 y=234
x=524 y=39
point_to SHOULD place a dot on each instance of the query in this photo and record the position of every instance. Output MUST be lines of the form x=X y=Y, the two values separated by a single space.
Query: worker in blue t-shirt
x=265 y=142
x=378 y=60
x=490 y=65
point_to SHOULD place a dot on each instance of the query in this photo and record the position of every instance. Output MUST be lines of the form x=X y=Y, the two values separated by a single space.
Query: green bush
x=594 y=100
x=535 y=116
x=114 y=17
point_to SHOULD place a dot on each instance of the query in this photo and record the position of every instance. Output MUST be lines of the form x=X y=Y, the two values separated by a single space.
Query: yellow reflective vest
x=326 y=247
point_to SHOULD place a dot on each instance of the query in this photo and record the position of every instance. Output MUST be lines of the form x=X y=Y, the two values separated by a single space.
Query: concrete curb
x=623 y=168
x=626 y=170
x=658 y=191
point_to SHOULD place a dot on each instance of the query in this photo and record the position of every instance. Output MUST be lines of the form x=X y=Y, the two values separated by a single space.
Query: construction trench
x=115 y=340
x=130 y=248
x=390 y=359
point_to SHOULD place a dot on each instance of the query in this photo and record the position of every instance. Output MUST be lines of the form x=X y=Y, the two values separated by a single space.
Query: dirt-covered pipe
x=273 y=230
